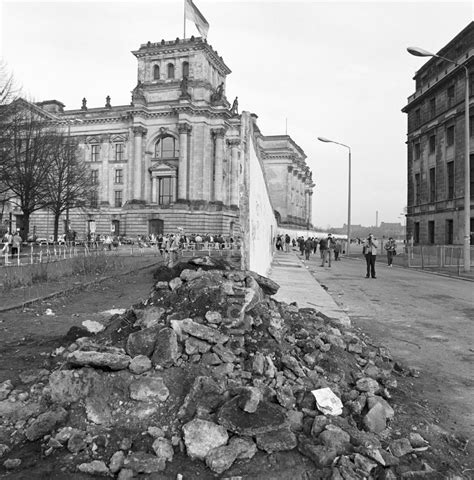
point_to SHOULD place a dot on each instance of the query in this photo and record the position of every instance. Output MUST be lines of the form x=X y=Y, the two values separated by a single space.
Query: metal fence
x=436 y=256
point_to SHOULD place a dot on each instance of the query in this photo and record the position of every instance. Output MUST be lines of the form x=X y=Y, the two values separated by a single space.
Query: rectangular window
x=94 y=153
x=119 y=152
x=417 y=117
x=450 y=136
x=449 y=232
x=433 y=107
x=432 y=185
x=471 y=126
x=450 y=95
x=118 y=198
x=94 y=177
x=432 y=142
x=431 y=232
x=94 y=199
x=450 y=177
x=165 y=195
x=417 y=188
x=416 y=233
x=417 y=149
x=119 y=175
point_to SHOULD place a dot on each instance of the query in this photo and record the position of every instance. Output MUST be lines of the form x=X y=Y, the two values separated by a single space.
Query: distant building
x=435 y=142
x=174 y=156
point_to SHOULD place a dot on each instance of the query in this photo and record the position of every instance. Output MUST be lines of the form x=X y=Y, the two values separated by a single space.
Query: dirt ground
x=29 y=335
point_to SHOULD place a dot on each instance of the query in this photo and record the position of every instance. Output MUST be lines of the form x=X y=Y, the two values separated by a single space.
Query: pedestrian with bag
x=391 y=248
x=369 y=249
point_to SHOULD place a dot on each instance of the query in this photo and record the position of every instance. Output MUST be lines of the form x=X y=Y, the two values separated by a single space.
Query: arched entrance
x=155 y=227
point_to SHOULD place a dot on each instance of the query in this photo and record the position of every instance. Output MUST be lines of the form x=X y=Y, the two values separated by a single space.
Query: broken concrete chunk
x=149 y=389
x=197 y=330
x=166 y=348
x=113 y=361
x=276 y=441
x=201 y=436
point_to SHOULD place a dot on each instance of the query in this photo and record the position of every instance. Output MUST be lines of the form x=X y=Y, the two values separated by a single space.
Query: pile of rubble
x=211 y=368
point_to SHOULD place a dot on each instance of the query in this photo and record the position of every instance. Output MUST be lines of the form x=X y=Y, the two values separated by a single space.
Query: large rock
x=142 y=342
x=68 y=386
x=166 y=348
x=163 y=449
x=268 y=286
x=367 y=384
x=266 y=418
x=205 y=395
x=113 y=361
x=140 y=364
x=336 y=439
x=201 y=436
x=141 y=462
x=197 y=330
x=194 y=345
x=45 y=423
x=277 y=441
x=321 y=455
x=375 y=420
x=221 y=458
x=149 y=317
x=148 y=389
x=96 y=467
x=250 y=398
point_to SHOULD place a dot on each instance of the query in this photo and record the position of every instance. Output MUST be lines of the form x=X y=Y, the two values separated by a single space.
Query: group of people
x=11 y=243
x=331 y=247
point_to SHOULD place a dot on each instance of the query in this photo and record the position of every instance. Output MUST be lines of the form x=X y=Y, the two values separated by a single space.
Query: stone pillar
x=310 y=206
x=218 y=134
x=295 y=193
x=300 y=196
x=139 y=133
x=234 y=173
x=183 y=129
x=289 y=179
x=154 y=193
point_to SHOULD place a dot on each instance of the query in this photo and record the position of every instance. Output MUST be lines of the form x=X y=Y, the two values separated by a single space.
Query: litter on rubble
x=92 y=326
x=327 y=402
x=48 y=311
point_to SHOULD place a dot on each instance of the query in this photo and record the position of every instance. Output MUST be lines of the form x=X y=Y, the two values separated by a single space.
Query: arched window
x=170 y=70
x=166 y=147
x=156 y=72
x=185 y=69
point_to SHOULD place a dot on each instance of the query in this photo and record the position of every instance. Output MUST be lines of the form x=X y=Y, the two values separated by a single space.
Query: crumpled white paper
x=327 y=402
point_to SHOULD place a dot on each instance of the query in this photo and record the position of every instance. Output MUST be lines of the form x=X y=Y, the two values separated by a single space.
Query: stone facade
x=435 y=144
x=174 y=156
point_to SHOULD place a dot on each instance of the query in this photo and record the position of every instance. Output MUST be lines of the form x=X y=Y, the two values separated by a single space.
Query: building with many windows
x=174 y=157
x=435 y=141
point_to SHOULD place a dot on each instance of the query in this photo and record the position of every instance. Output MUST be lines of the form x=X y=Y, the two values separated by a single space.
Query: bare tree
x=69 y=184
x=28 y=145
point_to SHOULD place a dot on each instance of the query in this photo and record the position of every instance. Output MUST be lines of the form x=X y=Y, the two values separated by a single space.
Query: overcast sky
x=333 y=69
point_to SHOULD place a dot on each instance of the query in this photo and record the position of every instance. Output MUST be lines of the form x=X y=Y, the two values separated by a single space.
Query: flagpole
x=184 y=19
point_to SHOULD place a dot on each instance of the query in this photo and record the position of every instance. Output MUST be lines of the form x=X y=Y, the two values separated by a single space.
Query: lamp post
x=322 y=139
x=419 y=52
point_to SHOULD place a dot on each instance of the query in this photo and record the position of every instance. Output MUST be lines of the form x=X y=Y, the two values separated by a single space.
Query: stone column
x=310 y=202
x=294 y=211
x=218 y=134
x=183 y=129
x=300 y=196
x=234 y=173
x=139 y=133
x=154 y=193
x=289 y=178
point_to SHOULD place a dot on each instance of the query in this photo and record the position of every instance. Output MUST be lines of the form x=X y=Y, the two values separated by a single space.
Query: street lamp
x=419 y=52
x=322 y=139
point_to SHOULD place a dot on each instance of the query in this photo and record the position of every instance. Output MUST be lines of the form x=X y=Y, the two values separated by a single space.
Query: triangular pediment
x=163 y=168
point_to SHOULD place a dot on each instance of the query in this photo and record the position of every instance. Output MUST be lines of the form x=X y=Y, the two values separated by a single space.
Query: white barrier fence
x=441 y=256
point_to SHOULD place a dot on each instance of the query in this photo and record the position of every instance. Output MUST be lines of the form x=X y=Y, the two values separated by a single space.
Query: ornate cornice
x=184 y=127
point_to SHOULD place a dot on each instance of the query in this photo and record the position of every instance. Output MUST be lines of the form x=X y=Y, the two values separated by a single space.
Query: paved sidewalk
x=298 y=285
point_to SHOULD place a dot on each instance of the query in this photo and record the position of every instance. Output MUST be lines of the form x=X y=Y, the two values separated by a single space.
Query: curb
x=70 y=289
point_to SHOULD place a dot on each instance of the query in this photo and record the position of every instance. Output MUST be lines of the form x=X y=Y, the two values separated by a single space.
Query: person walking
x=391 y=248
x=370 y=251
x=16 y=243
x=308 y=247
x=323 y=245
x=328 y=251
x=337 y=250
x=287 y=243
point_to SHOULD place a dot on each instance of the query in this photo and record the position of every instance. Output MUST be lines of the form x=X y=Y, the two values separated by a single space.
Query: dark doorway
x=115 y=227
x=155 y=227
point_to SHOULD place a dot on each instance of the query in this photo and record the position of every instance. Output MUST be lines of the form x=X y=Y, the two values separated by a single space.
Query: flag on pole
x=191 y=12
